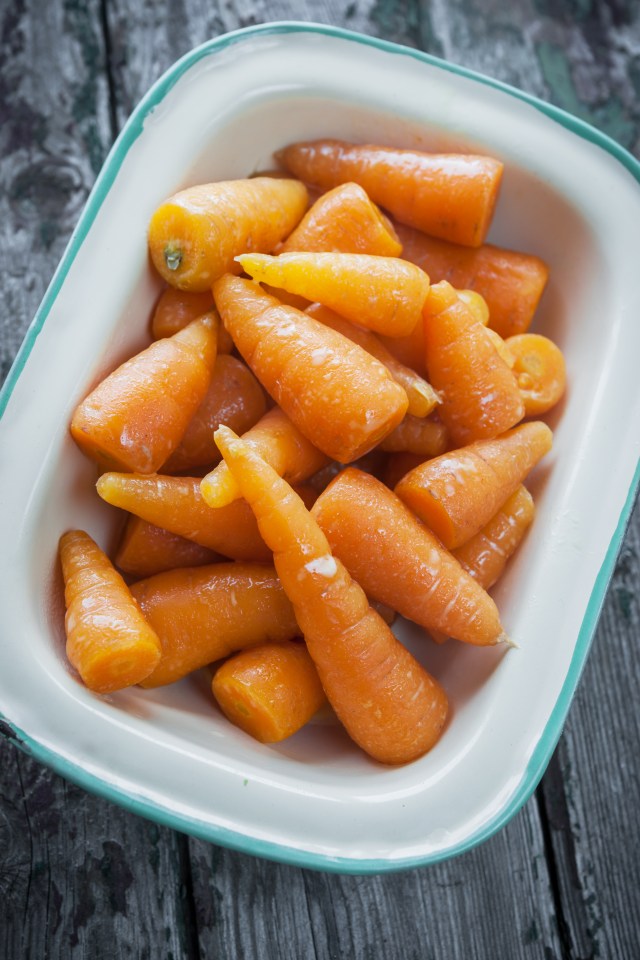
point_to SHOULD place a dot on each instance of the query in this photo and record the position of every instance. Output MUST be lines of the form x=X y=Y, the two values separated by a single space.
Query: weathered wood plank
x=79 y=877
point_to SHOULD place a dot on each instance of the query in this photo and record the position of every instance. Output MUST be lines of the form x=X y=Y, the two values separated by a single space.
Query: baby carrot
x=387 y=702
x=135 y=418
x=176 y=504
x=108 y=640
x=457 y=493
x=510 y=282
x=540 y=371
x=202 y=614
x=195 y=235
x=344 y=220
x=269 y=691
x=278 y=441
x=485 y=555
x=145 y=549
x=424 y=436
x=447 y=195
x=381 y=293
x=176 y=309
x=339 y=396
x=398 y=561
x=235 y=398
x=479 y=393
x=420 y=394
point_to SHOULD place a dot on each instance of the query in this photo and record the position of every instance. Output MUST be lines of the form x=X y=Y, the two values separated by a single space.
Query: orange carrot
x=387 y=702
x=457 y=493
x=135 y=418
x=202 y=614
x=426 y=437
x=195 y=235
x=540 y=371
x=145 y=550
x=381 y=293
x=476 y=304
x=420 y=394
x=339 y=397
x=485 y=555
x=235 y=398
x=344 y=220
x=398 y=561
x=108 y=640
x=399 y=464
x=176 y=504
x=479 y=393
x=269 y=691
x=510 y=282
x=176 y=309
x=448 y=195
x=278 y=441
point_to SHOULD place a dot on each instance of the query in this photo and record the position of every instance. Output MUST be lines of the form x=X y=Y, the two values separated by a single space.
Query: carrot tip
x=507 y=641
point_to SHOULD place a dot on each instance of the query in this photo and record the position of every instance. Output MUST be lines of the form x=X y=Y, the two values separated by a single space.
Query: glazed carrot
x=135 y=418
x=339 y=397
x=501 y=348
x=540 y=371
x=479 y=393
x=344 y=220
x=108 y=640
x=510 y=282
x=420 y=394
x=176 y=504
x=278 y=441
x=269 y=691
x=424 y=436
x=485 y=555
x=447 y=195
x=145 y=550
x=476 y=304
x=387 y=702
x=195 y=235
x=234 y=397
x=381 y=293
x=398 y=561
x=176 y=309
x=202 y=614
x=457 y=493
x=399 y=464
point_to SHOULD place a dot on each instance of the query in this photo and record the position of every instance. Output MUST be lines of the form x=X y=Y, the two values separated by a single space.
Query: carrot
x=235 y=398
x=387 y=702
x=540 y=371
x=399 y=464
x=381 y=293
x=426 y=437
x=108 y=640
x=135 y=418
x=447 y=195
x=278 y=441
x=344 y=220
x=485 y=555
x=176 y=309
x=479 y=393
x=476 y=304
x=420 y=394
x=202 y=614
x=195 y=235
x=510 y=282
x=398 y=561
x=269 y=691
x=501 y=348
x=176 y=504
x=145 y=549
x=457 y=493
x=337 y=395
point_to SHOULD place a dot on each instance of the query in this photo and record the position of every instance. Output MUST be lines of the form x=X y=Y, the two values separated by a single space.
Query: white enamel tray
x=571 y=196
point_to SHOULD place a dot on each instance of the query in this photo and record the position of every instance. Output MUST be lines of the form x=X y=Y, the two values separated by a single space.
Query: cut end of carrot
x=109 y=670
x=218 y=488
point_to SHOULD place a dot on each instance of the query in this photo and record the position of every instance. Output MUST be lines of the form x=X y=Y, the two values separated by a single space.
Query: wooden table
x=82 y=878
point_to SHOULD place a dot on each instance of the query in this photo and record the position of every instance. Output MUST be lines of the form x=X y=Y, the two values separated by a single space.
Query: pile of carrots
x=331 y=426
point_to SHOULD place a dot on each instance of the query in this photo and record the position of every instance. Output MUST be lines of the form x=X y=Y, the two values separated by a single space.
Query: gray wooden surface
x=81 y=878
